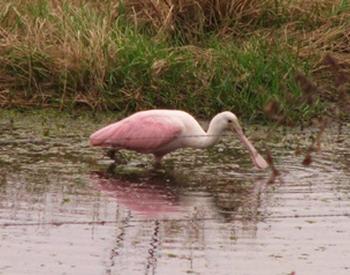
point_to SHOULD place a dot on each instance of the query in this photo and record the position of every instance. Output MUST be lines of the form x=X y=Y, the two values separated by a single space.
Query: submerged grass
x=201 y=56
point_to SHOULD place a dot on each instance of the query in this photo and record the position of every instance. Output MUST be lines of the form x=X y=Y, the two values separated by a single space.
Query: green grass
x=69 y=54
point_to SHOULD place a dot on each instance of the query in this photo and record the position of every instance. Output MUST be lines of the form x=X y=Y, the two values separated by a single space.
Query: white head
x=228 y=121
x=224 y=121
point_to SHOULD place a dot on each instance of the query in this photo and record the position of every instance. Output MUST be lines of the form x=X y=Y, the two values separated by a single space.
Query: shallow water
x=204 y=212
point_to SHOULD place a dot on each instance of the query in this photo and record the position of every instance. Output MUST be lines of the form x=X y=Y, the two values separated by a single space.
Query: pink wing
x=140 y=133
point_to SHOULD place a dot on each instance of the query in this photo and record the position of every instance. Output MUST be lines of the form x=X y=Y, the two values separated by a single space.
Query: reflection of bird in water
x=160 y=132
x=237 y=201
x=197 y=217
x=150 y=196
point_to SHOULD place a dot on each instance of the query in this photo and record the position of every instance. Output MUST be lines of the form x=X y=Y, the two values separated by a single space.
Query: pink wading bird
x=159 y=132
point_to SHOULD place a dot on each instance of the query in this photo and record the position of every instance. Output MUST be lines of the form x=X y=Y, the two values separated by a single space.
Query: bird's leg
x=111 y=153
x=111 y=167
x=157 y=161
x=117 y=156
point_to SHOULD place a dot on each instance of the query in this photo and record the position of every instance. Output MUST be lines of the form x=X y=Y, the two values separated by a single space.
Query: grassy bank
x=260 y=59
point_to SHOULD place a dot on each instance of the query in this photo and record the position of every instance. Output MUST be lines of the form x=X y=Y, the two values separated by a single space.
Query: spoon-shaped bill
x=257 y=159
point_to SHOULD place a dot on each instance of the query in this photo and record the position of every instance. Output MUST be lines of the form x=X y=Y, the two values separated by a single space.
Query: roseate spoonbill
x=162 y=131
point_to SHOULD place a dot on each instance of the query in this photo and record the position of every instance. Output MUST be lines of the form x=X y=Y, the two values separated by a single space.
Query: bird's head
x=229 y=121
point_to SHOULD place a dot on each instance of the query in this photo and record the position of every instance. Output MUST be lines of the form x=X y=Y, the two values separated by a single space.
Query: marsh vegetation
x=200 y=56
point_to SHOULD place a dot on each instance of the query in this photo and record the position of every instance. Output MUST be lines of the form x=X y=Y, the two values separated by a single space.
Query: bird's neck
x=212 y=136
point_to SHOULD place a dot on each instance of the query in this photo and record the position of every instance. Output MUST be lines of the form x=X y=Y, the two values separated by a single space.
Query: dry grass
x=192 y=18
x=135 y=54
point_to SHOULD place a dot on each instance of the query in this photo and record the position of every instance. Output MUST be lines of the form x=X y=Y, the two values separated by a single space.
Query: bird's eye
x=229 y=120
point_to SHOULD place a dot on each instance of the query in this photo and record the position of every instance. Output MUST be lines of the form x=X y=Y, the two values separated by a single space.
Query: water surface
x=205 y=212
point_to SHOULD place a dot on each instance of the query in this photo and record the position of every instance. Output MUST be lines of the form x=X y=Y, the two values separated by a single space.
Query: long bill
x=257 y=159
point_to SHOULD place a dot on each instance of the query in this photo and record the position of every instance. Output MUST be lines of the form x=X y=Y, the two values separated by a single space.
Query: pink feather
x=142 y=132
